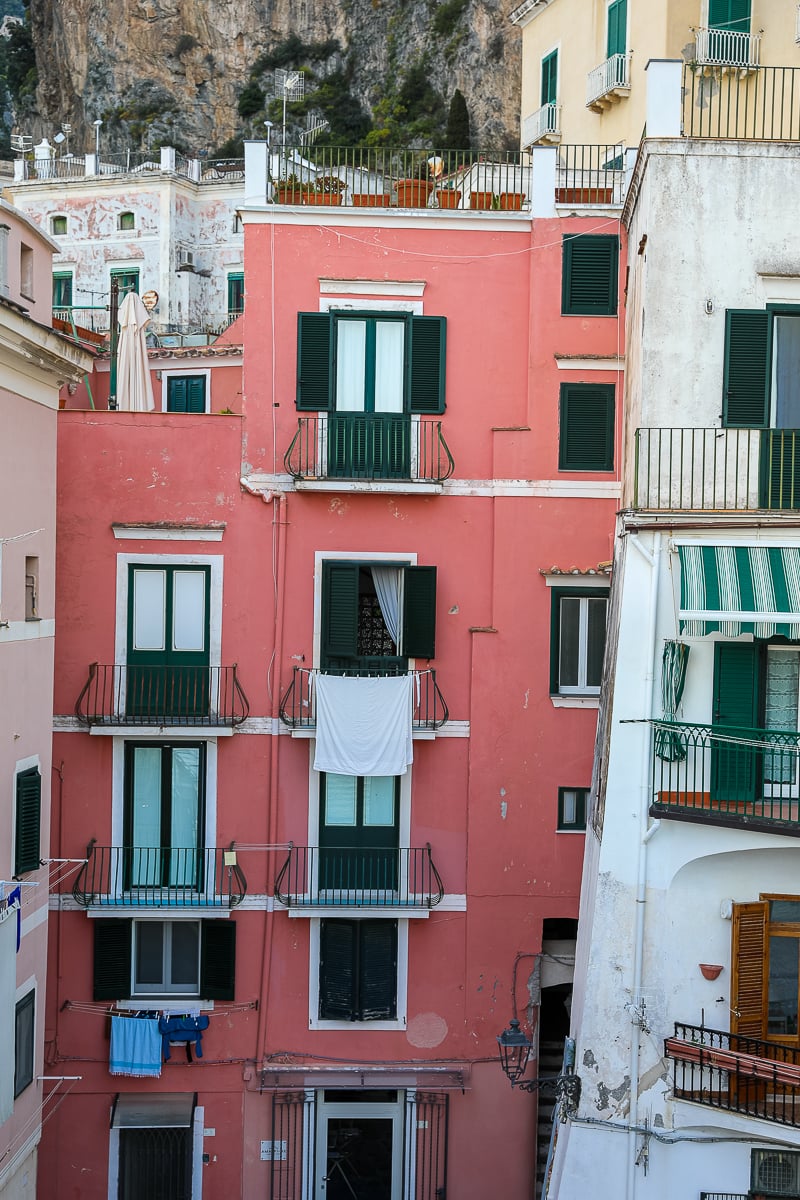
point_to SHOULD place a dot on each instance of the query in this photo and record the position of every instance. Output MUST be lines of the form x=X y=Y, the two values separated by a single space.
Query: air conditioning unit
x=775 y=1173
x=185 y=259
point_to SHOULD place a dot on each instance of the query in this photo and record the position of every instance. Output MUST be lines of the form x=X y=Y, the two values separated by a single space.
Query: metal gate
x=155 y=1164
x=426 y=1145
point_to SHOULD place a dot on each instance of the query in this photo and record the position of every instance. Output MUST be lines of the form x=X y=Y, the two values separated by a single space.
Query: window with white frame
x=578 y=639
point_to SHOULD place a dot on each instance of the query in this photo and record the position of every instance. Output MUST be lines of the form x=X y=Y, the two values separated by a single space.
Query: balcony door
x=370 y=428
x=164 y=813
x=168 y=642
x=358 y=835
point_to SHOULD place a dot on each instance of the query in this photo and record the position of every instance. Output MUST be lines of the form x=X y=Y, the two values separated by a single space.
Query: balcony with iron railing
x=369 y=446
x=726 y=48
x=739 y=102
x=298 y=707
x=542 y=126
x=737 y=1074
x=721 y=775
x=377 y=878
x=609 y=82
x=145 y=877
x=717 y=470
x=119 y=695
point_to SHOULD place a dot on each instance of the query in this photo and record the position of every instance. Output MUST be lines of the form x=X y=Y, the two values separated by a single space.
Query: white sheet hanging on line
x=364 y=724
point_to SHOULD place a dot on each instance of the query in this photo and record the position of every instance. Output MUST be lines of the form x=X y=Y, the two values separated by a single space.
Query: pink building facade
x=330 y=762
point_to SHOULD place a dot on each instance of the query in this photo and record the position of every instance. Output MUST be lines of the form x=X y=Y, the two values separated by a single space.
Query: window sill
x=165 y=1004
x=581 y=831
x=575 y=701
x=359 y=1026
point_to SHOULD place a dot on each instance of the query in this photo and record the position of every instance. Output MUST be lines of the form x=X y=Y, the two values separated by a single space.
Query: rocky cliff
x=199 y=72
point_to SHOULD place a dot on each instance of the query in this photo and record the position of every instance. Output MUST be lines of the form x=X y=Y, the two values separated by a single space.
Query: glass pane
x=596 y=640
x=189 y=617
x=780 y=710
x=146 y=816
x=784 y=960
x=185 y=955
x=568 y=650
x=379 y=800
x=149 y=592
x=351 y=340
x=786 y=372
x=784 y=910
x=185 y=815
x=569 y=813
x=340 y=799
x=389 y=356
x=149 y=954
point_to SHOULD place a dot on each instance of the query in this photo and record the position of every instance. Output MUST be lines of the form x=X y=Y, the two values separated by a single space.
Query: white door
x=359 y=1145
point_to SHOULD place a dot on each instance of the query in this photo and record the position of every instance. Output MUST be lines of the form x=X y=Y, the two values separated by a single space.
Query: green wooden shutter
x=235 y=293
x=339 y=611
x=196 y=394
x=112 y=959
x=748 y=977
x=729 y=14
x=176 y=395
x=550 y=78
x=617 y=27
x=27 y=841
x=314 y=362
x=745 y=387
x=377 y=971
x=428 y=337
x=337 y=970
x=419 y=612
x=590 y=266
x=735 y=770
x=217 y=960
x=586 y=427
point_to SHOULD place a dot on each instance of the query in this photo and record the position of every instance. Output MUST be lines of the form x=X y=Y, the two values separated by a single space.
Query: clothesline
x=105 y=1010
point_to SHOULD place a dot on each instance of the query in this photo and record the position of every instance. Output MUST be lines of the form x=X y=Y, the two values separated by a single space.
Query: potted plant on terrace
x=414 y=192
x=327 y=190
x=289 y=190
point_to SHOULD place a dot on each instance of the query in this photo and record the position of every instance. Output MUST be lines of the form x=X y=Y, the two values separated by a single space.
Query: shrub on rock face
x=251 y=100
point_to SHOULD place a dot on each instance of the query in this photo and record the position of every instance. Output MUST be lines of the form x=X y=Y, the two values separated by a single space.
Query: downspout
x=645 y=834
x=280 y=519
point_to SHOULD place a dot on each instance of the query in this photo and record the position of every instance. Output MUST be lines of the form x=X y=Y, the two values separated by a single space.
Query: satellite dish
x=59 y=138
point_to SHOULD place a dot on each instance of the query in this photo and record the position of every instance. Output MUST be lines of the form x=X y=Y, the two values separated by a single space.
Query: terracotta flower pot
x=511 y=201
x=371 y=199
x=709 y=970
x=322 y=198
x=448 y=198
x=481 y=199
x=290 y=195
x=413 y=193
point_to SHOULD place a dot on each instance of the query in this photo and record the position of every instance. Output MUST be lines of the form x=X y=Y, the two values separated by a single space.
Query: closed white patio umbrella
x=134 y=388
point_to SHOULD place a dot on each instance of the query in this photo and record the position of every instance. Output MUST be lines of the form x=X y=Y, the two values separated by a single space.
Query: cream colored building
x=584 y=61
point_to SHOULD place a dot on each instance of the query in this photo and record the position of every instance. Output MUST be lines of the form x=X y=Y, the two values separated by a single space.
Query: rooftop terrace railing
x=762 y=105
x=590 y=174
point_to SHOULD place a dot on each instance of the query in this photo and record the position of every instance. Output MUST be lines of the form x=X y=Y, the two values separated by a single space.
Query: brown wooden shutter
x=748 y=970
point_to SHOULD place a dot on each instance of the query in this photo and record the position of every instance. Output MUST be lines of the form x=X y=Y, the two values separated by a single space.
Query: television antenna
x=314 y=127
x=21 y=143
x=289 y=85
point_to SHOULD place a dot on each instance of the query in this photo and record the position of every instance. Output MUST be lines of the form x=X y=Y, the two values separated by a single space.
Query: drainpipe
x=645 y=834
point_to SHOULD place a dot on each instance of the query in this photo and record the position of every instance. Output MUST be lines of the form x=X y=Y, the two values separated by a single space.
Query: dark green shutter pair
x=549 y=78
x=27 y=848
x=340 y=611
x=358 y=971
x=425 y=352
x=729 y=14
x=586 y=427
x=616 y=40
x=113 y=944
x=589 y=272
x=186 y=394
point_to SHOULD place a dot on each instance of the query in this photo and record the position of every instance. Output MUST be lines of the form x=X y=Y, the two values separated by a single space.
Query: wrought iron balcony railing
x=133 y=695
x=738 y=1074
x=727 y=48
x=741 y=102
x=363 y=877
x=717 y=470
x=159 y=877
x=369 y=446
x=298 y=709
x=720 y=775
x=590 y=174
x=544 y=125
x=611 y=79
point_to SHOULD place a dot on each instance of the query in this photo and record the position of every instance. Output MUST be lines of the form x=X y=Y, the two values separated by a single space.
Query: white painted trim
x=418 y=735
x=214 y=561
x=253 y=902
x=724 y=614
x=488 y=221
x=168 y=373
x=388 y=1111
x=165 y=1005
x=28 y=985
x=159 y=733
x=389 y=306
x=779 y=538
x=260 y=726
x=778 y=289
x=395 y=487
x=575 y=701
x=586 y=489
x=371 y=287
x=404 y=804
x=197 y=1152
x=313 y=979
x=27 y=631
x=578 y=581
x=155 y=533
x=613 y=364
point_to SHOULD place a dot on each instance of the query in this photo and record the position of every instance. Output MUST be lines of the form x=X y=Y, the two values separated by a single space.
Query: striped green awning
x=740 y=589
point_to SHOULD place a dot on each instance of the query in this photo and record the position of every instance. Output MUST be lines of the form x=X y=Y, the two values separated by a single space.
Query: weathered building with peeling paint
x=687 y=990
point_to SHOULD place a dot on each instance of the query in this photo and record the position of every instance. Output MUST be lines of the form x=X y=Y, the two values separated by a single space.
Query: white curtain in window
x=780 y=710
x=389 y=353
x=388 y=589
x=351 y=339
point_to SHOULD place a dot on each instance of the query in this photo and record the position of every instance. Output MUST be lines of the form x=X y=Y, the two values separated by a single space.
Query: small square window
x=31 y=587
x=572 y=809
x=127 y=221
x=578 y=640
x=58 y=225
x=23 y=1043
x=586 y=427
x=186 y=393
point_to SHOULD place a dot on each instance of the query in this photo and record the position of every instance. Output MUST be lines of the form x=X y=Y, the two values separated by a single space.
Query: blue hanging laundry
x=183 y=1029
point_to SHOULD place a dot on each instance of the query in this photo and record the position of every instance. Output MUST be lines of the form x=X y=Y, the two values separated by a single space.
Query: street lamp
x=97 y=125
x=515 y=1049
